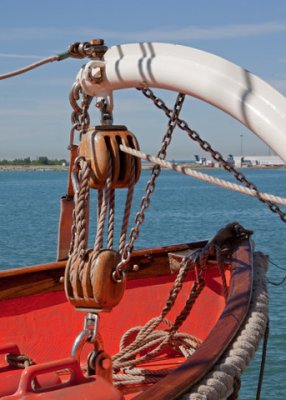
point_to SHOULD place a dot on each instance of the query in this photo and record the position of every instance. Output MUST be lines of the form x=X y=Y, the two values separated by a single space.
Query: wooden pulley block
x=101 y=143
x=107 y=293
x=73 y=287
x=97 y=290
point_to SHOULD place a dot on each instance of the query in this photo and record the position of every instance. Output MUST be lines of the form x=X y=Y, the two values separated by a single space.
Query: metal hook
x=88 y=334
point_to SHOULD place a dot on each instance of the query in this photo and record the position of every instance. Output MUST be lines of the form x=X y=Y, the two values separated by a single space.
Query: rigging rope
x=57 y=57
x=204 y=177
x=277 y=283
x=127 y=209
x=103 y=212
x=93 y=49
x=282 y=280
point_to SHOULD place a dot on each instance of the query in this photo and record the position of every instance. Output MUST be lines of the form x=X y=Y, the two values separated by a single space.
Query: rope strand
x=127 y=210
x=57 y=57
x=203 y=177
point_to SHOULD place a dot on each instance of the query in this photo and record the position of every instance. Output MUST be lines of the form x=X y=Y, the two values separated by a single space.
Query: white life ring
x=210 y=78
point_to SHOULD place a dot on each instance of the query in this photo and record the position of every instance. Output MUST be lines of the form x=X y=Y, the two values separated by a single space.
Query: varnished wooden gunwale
x=47 y=278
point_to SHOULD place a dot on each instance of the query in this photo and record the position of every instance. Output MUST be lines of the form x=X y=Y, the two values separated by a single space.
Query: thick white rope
x=204 y=177
x=218 y=383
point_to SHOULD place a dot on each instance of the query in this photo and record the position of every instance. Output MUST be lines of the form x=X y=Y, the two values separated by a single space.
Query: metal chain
x=217 y=156
x=80 y=103
x=150 y=188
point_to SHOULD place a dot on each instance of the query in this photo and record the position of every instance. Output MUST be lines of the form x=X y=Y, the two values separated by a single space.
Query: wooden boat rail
x=49 y=277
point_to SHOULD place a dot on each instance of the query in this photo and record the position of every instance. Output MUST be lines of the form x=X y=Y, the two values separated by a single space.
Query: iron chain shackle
x=95 y=48
x=80 y=103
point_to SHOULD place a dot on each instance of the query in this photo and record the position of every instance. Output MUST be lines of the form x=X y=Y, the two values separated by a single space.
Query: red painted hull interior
x=45 y=325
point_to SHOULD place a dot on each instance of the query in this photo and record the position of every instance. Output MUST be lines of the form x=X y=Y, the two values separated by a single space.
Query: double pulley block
x=92 y=286
x=89 y=282
x=101 y=149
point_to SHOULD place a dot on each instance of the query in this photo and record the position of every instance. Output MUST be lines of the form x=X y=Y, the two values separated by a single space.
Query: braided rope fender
x=218 y=384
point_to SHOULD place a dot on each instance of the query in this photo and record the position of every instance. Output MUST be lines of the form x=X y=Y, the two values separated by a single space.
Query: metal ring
x=117 y=272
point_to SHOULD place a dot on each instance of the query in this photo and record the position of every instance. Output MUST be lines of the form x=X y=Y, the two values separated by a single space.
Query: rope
x=57 y=57
x=194 y=294
x=103 y=211
x=222 y=273
x=204 y=177
x=106 y=205
x=80 y=208
x=79 y=227
x=149 y=346
x=219 y=382
x=110 y=234
x=78 y=50
x=127 y=210
x=149 y=343
x=99 y=202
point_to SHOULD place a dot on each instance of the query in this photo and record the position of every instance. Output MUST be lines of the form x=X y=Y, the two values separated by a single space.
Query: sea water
x=182 y=210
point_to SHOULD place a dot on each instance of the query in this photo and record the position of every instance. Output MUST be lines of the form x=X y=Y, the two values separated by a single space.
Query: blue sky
x=34 y=108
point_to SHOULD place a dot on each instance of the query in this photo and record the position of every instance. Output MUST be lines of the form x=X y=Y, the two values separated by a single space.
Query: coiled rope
x=149 y=342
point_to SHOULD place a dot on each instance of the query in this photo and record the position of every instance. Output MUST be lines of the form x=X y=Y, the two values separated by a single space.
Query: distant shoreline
x=28 y=168
x=33 y=168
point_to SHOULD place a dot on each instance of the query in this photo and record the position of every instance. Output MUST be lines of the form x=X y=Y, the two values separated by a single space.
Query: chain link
x=150 y=187
x=80 y=103
x=217 y=156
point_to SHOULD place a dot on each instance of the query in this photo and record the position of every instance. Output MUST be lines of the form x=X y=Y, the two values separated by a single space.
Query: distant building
x=247 y=163
x=243 y=162
x=203 y=161
x=230 y=160
x=262 y=161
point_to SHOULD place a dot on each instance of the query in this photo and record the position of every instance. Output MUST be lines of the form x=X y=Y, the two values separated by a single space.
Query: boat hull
x=38 y=318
